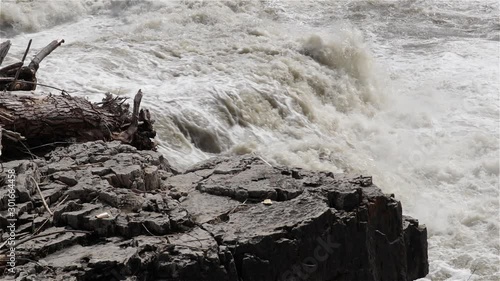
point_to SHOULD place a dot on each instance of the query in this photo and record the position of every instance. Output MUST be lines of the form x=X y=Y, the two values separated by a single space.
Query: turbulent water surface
x=406 y=91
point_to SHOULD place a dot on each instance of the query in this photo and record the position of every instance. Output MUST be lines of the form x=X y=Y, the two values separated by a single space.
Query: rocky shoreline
x=123 y=214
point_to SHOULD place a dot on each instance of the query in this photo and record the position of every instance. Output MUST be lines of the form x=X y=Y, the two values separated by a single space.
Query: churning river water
x=406 y=91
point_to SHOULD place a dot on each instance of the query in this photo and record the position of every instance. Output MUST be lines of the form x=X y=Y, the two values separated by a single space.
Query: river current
x=406 y=91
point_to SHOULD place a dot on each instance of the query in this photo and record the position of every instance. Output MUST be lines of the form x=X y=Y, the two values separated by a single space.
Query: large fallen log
x=42 y=120
x=29 y=122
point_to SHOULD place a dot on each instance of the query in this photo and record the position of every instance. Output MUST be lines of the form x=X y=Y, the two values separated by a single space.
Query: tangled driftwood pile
x=31 y=121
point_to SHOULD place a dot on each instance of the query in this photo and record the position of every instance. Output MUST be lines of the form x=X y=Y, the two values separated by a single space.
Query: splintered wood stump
x=42 y=120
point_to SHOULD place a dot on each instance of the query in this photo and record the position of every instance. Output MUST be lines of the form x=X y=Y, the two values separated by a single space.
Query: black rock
x=146 y=221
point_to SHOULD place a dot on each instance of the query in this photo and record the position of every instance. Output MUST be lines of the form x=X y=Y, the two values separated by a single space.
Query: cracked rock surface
x=123 y=214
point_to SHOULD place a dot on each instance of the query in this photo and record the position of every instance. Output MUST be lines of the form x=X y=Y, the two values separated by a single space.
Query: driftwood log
x=29 y=122
x=35 y=121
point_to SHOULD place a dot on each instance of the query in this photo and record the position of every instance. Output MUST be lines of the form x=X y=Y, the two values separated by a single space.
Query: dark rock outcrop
x=138 y=219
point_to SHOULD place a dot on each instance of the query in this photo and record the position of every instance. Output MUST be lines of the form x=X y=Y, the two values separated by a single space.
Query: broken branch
x=13 y=84
x=14 y=136
x=63 y=118
x=127 y=136
x=41 y=196
x=4 y=49
x=35 y=63
x=9 y=68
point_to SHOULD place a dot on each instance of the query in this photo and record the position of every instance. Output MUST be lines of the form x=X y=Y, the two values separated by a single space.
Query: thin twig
x=44 y=85
x=33 y=156
x=46 y=220
x=27 y=50
x=197 y=239
x=41 y=196
x=19 y=69
x=230 y=212
x=15 y=136
x=186 y=246
x=52 y=143
x=258 y=156
x=41 y=226
x=7 y=116
x=472 y=273
x=149 y=231
x=62 y=201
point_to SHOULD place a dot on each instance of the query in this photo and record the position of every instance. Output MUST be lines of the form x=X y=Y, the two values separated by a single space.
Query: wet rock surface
x=123 y=214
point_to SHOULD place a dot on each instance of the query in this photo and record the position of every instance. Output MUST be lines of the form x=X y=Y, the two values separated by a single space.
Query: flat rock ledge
x=138 y=219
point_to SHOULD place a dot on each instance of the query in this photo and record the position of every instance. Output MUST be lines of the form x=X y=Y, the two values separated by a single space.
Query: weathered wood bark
x=5 y=71
x=30 y=122
x=127 y=135
x=55 y=118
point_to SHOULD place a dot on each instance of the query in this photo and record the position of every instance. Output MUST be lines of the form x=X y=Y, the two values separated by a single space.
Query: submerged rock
x=206 y=223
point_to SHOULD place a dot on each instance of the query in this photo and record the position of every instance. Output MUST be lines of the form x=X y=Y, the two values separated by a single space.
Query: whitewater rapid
x=406 y=91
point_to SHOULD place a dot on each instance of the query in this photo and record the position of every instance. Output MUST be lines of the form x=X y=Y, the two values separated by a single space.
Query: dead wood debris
x=31 y=121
